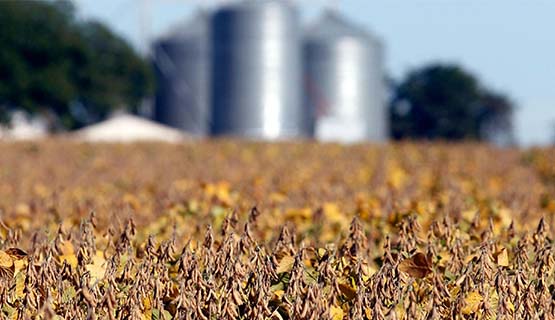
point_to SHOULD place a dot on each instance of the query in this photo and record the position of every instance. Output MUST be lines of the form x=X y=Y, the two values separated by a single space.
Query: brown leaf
x=16 y=253
x=417 y=266
x=348 y=291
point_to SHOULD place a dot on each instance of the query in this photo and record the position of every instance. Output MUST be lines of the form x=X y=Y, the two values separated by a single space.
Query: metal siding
x=345 y=81
x=256 y=72
x=182 y=71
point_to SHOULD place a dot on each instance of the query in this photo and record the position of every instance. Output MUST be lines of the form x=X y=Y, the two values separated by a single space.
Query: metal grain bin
x=344 y=81
x=181 y=61
x=256 y=71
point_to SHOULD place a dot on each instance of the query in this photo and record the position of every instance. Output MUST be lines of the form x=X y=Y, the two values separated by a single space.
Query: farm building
x=247 y=69
x=129 y=128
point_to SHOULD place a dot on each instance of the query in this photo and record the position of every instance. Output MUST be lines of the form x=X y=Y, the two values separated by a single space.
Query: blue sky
x=508 y=44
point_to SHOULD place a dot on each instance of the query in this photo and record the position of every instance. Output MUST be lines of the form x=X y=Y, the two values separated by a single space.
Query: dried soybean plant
x=339 y=232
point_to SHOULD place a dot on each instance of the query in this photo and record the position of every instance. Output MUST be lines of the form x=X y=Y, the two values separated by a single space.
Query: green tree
x=447 y=102
x=76 y=72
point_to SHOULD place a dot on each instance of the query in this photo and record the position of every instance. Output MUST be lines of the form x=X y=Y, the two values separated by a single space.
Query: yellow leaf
x=19 y=285
x=98 y=267
x=220 y=191
x=279 y=293
x=397 y=177
x=336 y=313
x=66 y=248
x=332 y=212
x=277 y=197
x=502 y=257
x=511 y=306
x=286 y=264
x=472 y=302
x=469 y=258
x=445 y=257
x=122 y=262
x=20 y=265
x=368 y=313
x=71 y=259
x=298 y=213
x=147 y=304
x=368 y=271
x=22 y=209
x=9 y=312
x=505 y=217
x=469 y=215
x=6 y=265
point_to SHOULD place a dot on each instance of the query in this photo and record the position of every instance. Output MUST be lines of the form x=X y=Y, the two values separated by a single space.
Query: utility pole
x=145 y=25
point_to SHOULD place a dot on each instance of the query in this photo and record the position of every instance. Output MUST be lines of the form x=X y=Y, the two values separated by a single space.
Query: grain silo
x=256 y=71
x=181 y=62
x=344 y=81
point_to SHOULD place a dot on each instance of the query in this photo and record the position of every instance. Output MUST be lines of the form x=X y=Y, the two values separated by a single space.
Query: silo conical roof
x=333 y=25
x=196 y=26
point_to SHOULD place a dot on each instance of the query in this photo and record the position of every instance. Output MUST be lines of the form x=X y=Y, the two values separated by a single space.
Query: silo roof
x=333 y=25
x=251 y=4
x=192 y=27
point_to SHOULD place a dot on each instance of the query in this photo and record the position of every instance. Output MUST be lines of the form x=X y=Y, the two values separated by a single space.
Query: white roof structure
x=23 y=127
x=129 y=128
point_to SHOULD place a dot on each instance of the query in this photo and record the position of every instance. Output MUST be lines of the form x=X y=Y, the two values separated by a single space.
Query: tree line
x=444 y=101
x=72 y=72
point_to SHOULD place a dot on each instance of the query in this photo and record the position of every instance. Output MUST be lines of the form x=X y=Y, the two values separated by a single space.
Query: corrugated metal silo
x=181 y=62
x=344 y=81
x=256 y=71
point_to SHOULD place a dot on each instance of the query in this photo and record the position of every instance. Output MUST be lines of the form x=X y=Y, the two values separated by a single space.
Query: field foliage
x=237 y=230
